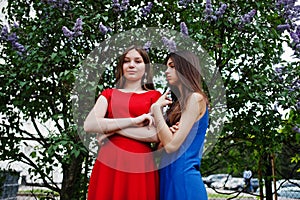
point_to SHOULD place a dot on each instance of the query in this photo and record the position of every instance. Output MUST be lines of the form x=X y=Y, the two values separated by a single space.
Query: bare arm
x=144 y=134
x=97 y=123
x=194 y=110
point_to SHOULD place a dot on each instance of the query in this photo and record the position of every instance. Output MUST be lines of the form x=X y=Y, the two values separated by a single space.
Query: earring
x=145 y=78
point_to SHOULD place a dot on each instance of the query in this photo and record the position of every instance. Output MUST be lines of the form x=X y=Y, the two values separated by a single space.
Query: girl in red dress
x=125 y=168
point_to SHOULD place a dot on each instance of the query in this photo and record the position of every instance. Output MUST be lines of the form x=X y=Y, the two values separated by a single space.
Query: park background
x=44 y=42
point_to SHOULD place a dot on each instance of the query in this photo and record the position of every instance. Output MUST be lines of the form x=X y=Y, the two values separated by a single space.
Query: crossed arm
x=129 y=127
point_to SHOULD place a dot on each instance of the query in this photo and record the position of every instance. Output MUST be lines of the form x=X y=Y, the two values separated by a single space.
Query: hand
x=160 y=146
x=102 y=137
x=143 y=120
x=164 y=100
x=174 y=128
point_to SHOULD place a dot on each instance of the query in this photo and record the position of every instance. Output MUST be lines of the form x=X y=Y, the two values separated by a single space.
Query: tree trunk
x=72 y=180
x=268 y=179
x=261 y=192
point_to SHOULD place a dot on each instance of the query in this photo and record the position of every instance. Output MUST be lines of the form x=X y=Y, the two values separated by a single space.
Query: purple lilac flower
x=296 y=84
x=298 y=30
x=78 y=27
x=283 y=27
x=220 y=12
x=209 y=12
x=298 y=105
x=247 y=18
x=61 y=4
x=184 y=3
x=184 y=30
x=146 y=9
x=147 y=46
x=116 y=5
x=76 y=31
x=124 y=5
x=295 y=37
x=286 y=2
x=181 y=2
x=170 y=44
x=4 y=32
x=279 y=71
x=12 y=38
x=16 y=25
x=67 y=33
x=291 y=13
x=19 y=47
x=103 y=29
x=296 y=129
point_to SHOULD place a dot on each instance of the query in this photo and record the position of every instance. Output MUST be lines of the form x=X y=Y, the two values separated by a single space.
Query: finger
x=172 y=129
x=150 y=122
x=167 y=89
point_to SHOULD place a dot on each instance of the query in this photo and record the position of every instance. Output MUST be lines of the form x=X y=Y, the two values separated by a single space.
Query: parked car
x=220 y=183
x=281 y=184
x=238 y=184
x=289 y=183
x=235 y=184
x=213 y=178
x=289 y=192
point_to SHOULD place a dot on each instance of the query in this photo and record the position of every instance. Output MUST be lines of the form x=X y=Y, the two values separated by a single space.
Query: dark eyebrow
x=140 y=57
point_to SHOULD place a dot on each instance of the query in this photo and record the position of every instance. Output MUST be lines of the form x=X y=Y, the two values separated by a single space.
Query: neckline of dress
x=145 y=91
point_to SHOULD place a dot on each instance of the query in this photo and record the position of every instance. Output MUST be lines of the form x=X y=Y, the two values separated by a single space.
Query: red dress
x=125 y=168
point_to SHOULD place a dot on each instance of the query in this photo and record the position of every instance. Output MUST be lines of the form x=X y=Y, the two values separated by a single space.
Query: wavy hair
x=187 y=67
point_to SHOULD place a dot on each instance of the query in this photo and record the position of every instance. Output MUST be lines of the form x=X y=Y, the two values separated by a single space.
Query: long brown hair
x=187 y=67
x=120 y=80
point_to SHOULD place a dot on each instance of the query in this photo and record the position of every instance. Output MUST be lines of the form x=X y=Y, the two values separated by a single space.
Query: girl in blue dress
x=180 y=178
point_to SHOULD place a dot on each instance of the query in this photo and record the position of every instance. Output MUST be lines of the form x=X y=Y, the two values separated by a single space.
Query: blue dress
x=180 y=178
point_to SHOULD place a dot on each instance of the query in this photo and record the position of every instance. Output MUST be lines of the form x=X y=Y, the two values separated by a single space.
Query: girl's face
x=133 y=66
x=171 y=74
